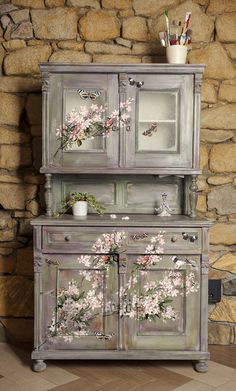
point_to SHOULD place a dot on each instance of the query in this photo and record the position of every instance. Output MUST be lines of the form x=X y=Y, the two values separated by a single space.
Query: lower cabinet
x=131 y=295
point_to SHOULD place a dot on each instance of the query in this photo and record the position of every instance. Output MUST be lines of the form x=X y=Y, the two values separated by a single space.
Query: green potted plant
x=79 y=203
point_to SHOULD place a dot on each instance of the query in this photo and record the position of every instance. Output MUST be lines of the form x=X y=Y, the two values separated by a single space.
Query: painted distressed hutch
x=146 y=296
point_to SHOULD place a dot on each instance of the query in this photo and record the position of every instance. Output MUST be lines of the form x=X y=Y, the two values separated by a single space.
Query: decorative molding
x=48 y=195
x=45 y=81
x=38 y=263
x=193 y=195
x=122 y=83
x=197 y=83
x=204 y=264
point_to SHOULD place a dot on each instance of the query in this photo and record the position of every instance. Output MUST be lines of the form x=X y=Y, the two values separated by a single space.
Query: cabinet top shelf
x=136 y=220
x=128 y=68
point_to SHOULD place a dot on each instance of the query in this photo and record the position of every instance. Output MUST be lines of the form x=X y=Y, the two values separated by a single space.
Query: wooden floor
x=16 y=375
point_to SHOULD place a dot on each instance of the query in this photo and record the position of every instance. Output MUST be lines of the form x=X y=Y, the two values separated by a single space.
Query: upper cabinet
x=160 y=130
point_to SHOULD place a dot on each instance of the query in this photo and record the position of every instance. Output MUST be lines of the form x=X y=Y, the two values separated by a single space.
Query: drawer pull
x=174 y=239
x=193 y=238
x=139 y=236
x=185 y=236
x=67 y=238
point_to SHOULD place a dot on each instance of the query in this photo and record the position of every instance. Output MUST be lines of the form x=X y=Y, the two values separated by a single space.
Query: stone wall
x=109 y=31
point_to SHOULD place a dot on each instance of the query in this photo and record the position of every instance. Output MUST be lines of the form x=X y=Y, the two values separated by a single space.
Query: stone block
x=8 y=136
x=10 y=109
x=144 y=48
x=59 y=23
x=201 y=24
x=54 y=3
x=201 y=203
x=7 y=227
x=19 y=329
x=226 y=262
x=222 y=233
x=203 y=157
x=14 y=156
x=20 y=84
x=24 y=261
x=16 y=296
x=219 y=117
x=10 y=178
x=14 y=44
x=117 y=4
x=19 y=15
x=216 y=274
x=5 y=20
x=26 y=60
x=220 y=68
x=216 y=136
x=226 y=34
x=34 y=179
x=229 y=287
x=70 y=56
x=227 y=91
x=124 y=42
x=223 y=199
x=219 y=180
x=225 y=311
x=33 y=207
x=223 y=158
x=231 y=50
x=37 y=152
x=99 y=26
x=29 y=3
x=71 y=45
x=219 y=6
x=115 y=59
x=23 y=31
x=84 y=3
x=6 y=8
x=152 y=7
x=202 y=184
x=25 y=228
x=15 y=196
x=208 y=92
x=34 y=109
x=105 y=48
x=135 y=28
x=219 y=334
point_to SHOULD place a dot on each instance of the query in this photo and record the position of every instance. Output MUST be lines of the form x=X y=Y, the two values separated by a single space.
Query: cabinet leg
x=201 y=366
x=39 y=366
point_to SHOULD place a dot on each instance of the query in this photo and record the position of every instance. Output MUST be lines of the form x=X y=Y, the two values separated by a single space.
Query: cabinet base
x=39 y=366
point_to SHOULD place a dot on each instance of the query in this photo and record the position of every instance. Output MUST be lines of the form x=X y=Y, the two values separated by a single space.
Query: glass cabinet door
x=70 y=94
x=79 y=303
x=162 y=303
x=160 y=134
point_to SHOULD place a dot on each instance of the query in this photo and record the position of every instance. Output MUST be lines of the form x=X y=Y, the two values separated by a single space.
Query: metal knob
x=131 y=81
x=174 y=239
x=185 y=235
x=67 y=238
x=193 y=238
x=139 y=84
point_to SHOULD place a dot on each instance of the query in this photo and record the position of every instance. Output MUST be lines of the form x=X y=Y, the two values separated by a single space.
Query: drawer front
x=175 y=239
x=81 y=239
x=71 y=239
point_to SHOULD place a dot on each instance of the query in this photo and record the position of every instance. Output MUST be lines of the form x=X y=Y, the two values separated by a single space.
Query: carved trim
x=45 y=81
x=204 y=264
x=193 y=195
x=38 y=263
x=197 y=83
x=122 y=83
x=48 y=195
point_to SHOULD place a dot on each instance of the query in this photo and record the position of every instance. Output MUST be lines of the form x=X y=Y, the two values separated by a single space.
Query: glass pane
x=162 y=138
x=157 y=105
x=157 y=121
x=73 y=100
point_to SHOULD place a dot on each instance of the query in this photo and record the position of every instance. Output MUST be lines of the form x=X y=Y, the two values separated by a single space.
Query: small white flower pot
x=176 y=54
x=80 y=208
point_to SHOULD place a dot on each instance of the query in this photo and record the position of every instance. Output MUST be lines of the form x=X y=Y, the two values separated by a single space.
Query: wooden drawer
x=81 y=239
x=71 y=239
x=176 y=239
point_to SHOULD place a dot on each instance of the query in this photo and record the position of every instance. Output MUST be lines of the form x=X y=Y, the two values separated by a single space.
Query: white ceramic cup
x=80 y=208
x=176 y=54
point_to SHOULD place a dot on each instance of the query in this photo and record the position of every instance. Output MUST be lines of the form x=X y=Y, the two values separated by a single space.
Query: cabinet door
x=69 y=92
x=162 y=304
x=78 y=300
x=161 y=131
